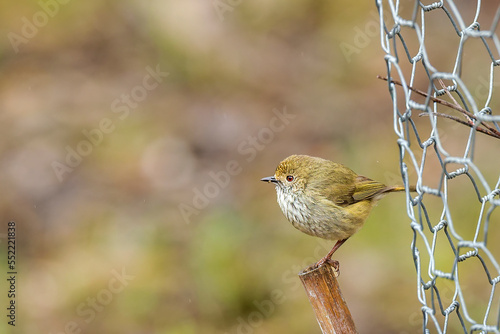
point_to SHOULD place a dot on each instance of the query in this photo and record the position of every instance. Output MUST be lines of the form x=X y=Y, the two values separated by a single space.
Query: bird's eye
x=289 y=178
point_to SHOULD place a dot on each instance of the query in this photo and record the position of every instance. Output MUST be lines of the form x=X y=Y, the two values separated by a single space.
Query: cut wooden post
x=325 y=296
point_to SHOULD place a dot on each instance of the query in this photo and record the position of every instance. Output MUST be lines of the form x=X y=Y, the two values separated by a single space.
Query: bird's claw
x=333 y=263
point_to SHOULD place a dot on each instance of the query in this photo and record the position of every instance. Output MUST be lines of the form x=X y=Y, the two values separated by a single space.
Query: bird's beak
x=270 y=179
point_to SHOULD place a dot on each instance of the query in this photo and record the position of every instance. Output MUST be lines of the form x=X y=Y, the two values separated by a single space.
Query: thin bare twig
x=486 y=129
x=452 y=98
x=456 y=119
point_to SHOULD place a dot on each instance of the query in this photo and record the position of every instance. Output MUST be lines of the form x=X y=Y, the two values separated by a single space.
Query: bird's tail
x=399 y=188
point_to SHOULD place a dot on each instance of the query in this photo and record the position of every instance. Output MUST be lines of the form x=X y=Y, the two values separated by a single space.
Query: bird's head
x=292 y=174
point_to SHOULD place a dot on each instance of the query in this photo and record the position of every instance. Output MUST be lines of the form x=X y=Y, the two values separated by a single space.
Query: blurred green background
x=103 y=162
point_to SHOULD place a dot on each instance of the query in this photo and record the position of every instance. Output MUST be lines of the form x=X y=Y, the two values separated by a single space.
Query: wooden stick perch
x=325 y=296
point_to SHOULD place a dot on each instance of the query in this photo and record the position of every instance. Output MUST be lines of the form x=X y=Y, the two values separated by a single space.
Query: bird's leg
x=328 y=257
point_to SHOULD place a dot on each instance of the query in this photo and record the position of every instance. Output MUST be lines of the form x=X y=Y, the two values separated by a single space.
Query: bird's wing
x=366 y=188
x=339 y=185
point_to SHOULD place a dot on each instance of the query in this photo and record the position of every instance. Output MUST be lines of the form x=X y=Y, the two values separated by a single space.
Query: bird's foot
x=333 y=263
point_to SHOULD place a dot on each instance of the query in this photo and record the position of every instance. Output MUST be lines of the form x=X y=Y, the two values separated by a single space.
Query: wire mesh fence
x=442 y=59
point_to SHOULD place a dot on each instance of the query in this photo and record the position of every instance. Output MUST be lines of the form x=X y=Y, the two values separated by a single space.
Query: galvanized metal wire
x=434 y=55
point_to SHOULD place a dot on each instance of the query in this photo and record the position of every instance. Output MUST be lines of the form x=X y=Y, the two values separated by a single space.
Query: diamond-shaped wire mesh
x=441 y=64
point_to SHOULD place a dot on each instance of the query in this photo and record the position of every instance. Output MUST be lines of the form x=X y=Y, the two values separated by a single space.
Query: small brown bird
x=325 y=199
